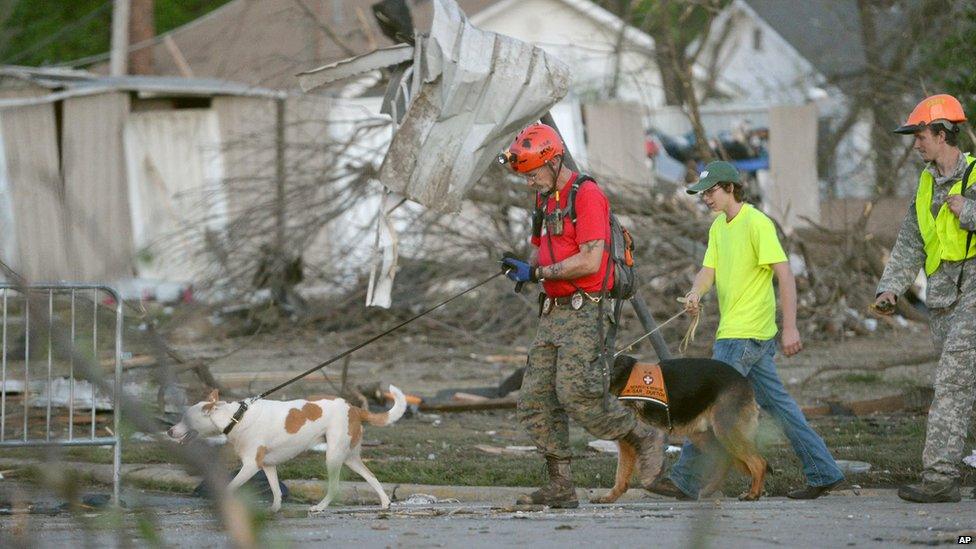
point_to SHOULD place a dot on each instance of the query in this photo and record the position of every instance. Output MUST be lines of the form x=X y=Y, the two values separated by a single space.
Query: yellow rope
x=692 y=328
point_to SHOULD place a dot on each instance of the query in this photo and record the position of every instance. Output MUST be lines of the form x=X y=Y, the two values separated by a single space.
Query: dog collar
x=236 y=418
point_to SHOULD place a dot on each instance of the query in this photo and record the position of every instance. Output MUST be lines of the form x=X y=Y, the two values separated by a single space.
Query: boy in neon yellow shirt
x=743 y=255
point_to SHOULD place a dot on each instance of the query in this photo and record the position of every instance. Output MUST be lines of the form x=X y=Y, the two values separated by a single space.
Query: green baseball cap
x=713 y=174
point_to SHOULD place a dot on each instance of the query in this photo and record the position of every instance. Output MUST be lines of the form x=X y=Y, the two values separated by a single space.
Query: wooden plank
x=490 y=404
x=468 y=397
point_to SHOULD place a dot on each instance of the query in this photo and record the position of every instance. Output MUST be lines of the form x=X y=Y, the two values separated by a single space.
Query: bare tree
x=675 y=25
x=885 y=88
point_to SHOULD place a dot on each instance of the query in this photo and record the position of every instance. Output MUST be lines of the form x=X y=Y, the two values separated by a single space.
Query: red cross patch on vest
x=646 y=382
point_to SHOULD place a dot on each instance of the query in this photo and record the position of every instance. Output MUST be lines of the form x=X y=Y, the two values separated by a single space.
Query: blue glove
x=517 y=270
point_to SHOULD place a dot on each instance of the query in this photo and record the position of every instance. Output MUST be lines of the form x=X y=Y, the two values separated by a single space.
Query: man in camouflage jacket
x=936 y=235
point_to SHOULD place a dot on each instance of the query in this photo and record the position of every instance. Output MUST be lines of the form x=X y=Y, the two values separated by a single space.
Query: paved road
x=834 y=521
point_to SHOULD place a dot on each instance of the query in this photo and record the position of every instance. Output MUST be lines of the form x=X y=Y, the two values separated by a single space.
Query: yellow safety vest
x=944 y=238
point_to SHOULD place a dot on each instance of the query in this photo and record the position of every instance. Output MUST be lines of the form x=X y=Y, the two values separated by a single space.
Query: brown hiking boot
x=649 y=445
x=812 y=492
x=667 y=488
x=559 y=493
x=931 y=492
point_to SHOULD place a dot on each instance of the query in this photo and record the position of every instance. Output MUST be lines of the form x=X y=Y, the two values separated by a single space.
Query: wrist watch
x=538 y=273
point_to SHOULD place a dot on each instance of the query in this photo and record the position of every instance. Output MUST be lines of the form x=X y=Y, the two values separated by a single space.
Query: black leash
x=374 y=338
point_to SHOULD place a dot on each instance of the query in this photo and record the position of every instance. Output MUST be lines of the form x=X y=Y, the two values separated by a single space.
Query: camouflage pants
x=954 y=332
x=563 y=380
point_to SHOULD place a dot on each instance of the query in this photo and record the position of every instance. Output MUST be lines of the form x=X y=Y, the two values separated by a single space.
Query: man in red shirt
x=564 y=375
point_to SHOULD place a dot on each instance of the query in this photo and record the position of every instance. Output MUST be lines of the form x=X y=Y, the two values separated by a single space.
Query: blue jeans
x=753 y=358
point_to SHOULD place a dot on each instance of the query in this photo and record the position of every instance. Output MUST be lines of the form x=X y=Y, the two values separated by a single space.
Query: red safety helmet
x=931 y=109
x=533 y=147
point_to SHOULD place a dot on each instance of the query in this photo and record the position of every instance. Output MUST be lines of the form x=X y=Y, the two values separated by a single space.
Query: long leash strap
x=969 y=242
x=689 y=336
x=374 y=338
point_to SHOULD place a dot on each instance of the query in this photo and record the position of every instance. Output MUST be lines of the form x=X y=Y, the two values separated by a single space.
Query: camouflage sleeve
x=907 y=256
x=967 y=218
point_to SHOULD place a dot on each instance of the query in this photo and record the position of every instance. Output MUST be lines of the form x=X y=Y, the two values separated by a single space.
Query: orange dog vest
x=646 y=382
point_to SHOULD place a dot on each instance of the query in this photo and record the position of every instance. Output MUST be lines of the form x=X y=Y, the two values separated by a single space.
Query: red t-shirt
x=592 y=223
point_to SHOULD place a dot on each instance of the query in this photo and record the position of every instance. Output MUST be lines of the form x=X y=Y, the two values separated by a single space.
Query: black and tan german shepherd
x=710 y=403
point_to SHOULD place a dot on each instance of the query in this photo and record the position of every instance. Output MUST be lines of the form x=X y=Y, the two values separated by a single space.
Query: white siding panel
x=175 y=173
x=247 y=136
x=32 y=183
x=96 y=194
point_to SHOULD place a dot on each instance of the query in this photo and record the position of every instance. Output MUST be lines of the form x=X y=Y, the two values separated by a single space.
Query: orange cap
x=933 y=108
x=533 y=147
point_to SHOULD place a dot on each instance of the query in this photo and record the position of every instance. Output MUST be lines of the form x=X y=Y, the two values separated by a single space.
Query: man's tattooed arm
x=588 y=261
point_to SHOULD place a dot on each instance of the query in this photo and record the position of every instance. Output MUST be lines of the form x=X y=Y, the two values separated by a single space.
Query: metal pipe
x=26 y=358
x=71 y=373
x=50 y=330
x=117 y=402
x=280 y=173
x=3 y=378
x=102 y=441
x=94 y=355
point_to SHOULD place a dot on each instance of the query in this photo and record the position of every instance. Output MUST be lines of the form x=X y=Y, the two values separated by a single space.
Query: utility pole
x=120 y=38
x=280 y=212
x=142 y=28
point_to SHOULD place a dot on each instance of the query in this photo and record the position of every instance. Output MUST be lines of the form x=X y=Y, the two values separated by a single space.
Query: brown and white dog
x=712 y=405
x=271 y=432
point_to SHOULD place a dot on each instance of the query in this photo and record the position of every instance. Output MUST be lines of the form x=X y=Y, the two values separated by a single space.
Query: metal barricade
x=41 y=375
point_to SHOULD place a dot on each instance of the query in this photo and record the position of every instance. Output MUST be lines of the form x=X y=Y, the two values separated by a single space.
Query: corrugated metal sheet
x=477 y=89
x=175 y=173
x=96 y=194
x=149 y=86
x=48 y=78
x=12 y=88
x=31 y=185
x=333 y=72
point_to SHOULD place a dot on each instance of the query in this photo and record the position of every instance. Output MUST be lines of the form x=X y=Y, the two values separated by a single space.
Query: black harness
x=969 y=234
